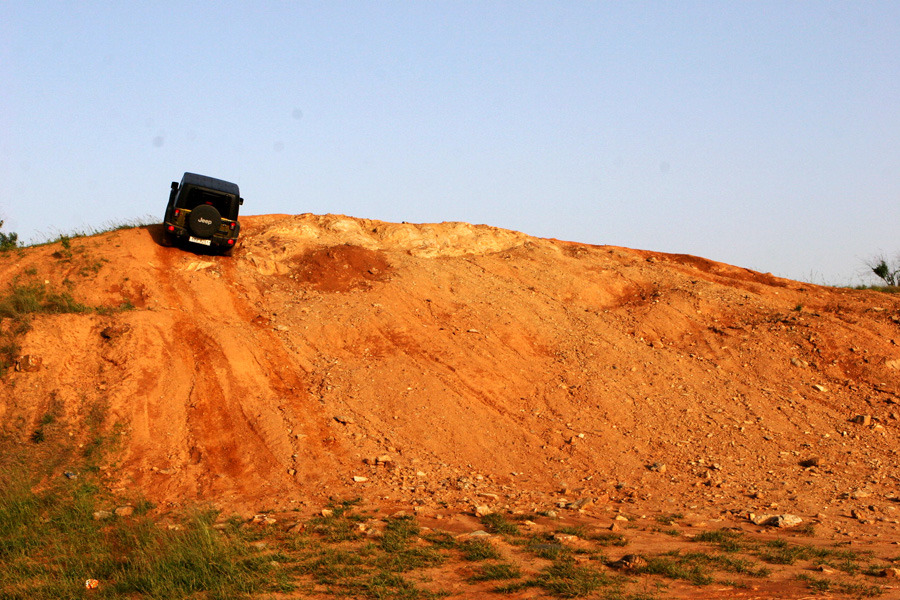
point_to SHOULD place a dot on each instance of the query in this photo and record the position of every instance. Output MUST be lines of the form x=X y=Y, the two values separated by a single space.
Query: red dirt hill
x=482 y=366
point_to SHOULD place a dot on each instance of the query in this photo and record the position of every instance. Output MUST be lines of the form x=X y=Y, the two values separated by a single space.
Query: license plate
x=199 y=241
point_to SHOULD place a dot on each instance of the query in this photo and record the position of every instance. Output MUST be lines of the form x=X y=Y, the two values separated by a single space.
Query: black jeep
x=203 y=211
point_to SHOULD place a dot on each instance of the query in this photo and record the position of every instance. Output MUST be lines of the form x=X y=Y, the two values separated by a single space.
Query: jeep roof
x=197 y=187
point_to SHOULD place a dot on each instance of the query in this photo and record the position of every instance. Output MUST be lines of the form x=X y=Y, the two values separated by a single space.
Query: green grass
x=373 y=570
x=66 y=237
x=781 y=552
x=544 y=546
x=852 y=589
x=340 y=522
x=724 y=539
x=476 y=550
x=497 y=523
x=674 y=565
x=668 y=519
x=565 y=579
x=50 y=544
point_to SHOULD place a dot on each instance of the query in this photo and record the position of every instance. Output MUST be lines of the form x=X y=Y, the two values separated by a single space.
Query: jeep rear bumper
x=181 y=235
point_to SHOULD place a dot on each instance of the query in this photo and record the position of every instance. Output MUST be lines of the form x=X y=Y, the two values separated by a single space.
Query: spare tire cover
x=204 y=220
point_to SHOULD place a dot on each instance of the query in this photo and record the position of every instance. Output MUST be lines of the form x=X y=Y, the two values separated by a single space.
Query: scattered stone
x=344 y=420
x=622 y=518
x=114 y=331
x=483 y=510
x=824 y=569
x=629 y=562
x=565 y=537
x=384 y=460
x=124 y=511
x=864 y=420
x=480 y=533
x=581 y=503
x=359 y=479
x=819 y=388
x=657 y=467
x=768 y=520
x=29 y=363
x=797 y=362
x=812 y=461
x=292 y=472
x=857 y=494
x=102 y=515
x=890 y=572
x=615 y=527
x=70 y=475
x=262 y=519
x=296 y=528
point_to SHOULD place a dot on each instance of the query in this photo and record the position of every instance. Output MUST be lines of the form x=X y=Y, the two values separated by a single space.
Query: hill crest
x=483 y=366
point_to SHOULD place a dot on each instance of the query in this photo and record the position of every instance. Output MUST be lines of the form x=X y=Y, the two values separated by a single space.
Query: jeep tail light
x=231 y=242
x=232 y=225
x=177 y=211
x=171 y=228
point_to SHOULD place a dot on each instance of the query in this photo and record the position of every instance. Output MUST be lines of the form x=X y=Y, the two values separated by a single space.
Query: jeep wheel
x=204 y=221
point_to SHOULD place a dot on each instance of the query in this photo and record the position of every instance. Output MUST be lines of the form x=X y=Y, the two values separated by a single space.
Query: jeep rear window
x=198 y=196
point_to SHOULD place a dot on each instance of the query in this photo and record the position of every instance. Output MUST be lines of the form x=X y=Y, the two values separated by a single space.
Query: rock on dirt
x=768 y=520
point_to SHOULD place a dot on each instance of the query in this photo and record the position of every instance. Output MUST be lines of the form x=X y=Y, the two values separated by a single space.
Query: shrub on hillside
x=8 y=241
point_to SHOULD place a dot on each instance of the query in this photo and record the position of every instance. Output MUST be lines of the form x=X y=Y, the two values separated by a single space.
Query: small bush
x=8 y=241
x=889 y=273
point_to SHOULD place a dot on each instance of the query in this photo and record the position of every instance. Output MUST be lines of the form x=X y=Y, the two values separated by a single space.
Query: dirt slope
x=490 y=367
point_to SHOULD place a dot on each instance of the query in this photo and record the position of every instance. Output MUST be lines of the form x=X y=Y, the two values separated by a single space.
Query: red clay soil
x=484 y=367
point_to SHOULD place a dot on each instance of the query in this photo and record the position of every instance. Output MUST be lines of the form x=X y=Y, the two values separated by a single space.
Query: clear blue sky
x=762 y=134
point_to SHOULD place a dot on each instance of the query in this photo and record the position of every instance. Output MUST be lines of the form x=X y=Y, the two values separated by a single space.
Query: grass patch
x=476 y=550
x=544 y=546
x=725 y=539
x=50 y=543
x=668 y=519
x=338 y=522
x=781 y=552
x=497 y=523
x=674 y=565
x=65 y=238
x=856 y=590
x=566 y=579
